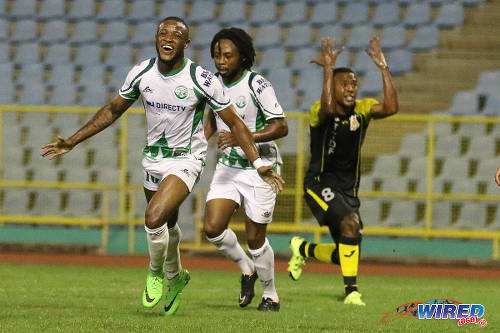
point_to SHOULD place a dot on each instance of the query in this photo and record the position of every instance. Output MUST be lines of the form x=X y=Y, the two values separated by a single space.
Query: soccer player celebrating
x=338 y=124
x=174 y=93
x=235 y=181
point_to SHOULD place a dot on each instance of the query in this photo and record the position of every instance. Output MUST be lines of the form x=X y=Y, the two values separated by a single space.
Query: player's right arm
x=328 y=57
x=102 y=119
x=211 y=125
x=497 y=177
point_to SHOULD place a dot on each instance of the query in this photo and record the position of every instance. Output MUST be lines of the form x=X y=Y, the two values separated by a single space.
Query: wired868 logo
x=439 y=309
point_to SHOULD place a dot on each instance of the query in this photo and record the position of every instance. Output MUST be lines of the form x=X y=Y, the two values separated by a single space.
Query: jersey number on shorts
x=327 y=194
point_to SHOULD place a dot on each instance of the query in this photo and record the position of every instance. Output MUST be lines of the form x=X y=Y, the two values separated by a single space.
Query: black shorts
x=329 y=205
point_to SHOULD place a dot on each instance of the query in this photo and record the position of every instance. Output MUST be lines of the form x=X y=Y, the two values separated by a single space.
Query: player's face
x=345 y=89
x=227 y=59
x=171 y=40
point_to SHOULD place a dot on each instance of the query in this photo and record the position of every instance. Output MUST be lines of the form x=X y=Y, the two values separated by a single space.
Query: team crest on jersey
x=181 y=92
x=241 y=102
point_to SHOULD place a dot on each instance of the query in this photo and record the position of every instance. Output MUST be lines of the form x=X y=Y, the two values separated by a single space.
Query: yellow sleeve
x=313 y=115
x=363 y=107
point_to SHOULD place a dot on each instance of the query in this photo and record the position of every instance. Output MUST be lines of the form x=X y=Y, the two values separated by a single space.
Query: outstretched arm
x=246 y=142
x=390 y=104
x=327 y=59
x=276 y=129
x=497 y=177
x=102 y=119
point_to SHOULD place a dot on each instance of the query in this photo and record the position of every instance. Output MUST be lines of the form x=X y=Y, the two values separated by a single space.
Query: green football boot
x=297 y=261
x=154 y=288
x=354 y=298
x=175 y=286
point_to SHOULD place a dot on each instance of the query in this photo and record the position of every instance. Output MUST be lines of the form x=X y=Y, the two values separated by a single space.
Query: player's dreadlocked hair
x=342 y=70
x=242 y=41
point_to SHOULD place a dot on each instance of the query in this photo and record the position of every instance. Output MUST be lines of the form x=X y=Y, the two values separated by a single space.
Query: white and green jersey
x=174 y=105
x=255 y=102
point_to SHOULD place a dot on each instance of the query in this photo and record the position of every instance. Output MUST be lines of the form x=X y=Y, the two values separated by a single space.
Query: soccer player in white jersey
x=174 y=93
x=236 y=181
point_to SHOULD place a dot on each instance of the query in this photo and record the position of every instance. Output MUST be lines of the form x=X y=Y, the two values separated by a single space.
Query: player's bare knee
x=256 y=241
x=153 y=218
x=350 y=226
x=212 y=229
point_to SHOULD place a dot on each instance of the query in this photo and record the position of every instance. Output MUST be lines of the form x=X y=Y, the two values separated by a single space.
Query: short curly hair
x=243 y=43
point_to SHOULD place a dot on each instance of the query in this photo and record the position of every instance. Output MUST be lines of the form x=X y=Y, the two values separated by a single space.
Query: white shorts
x=245 y=186
x=188 y=170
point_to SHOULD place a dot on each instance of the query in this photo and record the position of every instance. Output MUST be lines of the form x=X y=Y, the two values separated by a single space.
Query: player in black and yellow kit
x=338 y=124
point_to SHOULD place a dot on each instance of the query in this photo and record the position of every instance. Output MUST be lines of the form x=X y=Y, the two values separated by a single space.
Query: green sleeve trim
x=258 y=104
x=148 y=67
x=220 y=106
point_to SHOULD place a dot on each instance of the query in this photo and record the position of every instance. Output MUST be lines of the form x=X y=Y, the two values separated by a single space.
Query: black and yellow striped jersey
x=336 y=146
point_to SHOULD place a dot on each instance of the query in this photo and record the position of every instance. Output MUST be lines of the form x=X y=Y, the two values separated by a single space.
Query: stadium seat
x=403 y=213
x=450 y=15
x=107 y=175
x=360 y=37
x=81 y=203
x=426 y=38
x=31 y=73
x=84 y=32
x=442 y=214
x=393 y=183
x=281 y=77
x=489 y=82
x=285 y=96
x=51 y=9
x=15 y=201
x=94 y=96
x=24 y=31
x=465 y=103
x=204 y=34
x=144 y=33
x=206 y=61
x=232 y=12
x=447 y=145
x=471 y=130
x=355 y=13
x=66 y=120
x=27 y=53
x=45 y=174
x=142 y=10
x=63 y=95
x=386 y=14
x=54 y=32
x=115 y=33
x=173 y=8
x=81 y=10
x=61 y=75
x=105 y=158
x=471 y=3
x=147 y=52
x=300 y=36
x=372 y=84
x=324 y=13
x=88 y=55
x=301 y=57
x=455 y=168
x=6 y=73
x=202 y=11
x=417 y=13
x=386 y=166
x=32 y=94
x=93 y=76
x=393 y=37
x=57 y=54
x=486 y=170
x=22 y=9
x=471 y=216
x=334 y=31
x=293 y=13
x=310 y=79
x=263 y=12
x=274 y=58
x=492 y=108
x=111 y=10
x=400 y=61
x=310 y=96
x=140 y=204
x=120 y=55
x=7 y=93
x=371 y=211
x=417 y=168
x=267 y=36
x=364 y=63
x=481 y=147
x=48 y=202
x=4 y=29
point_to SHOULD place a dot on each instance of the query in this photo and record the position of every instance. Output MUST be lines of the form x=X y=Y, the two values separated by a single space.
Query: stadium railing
x=295 y=211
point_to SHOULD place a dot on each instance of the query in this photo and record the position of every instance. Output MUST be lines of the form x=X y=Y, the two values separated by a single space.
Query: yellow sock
x=349 y=258
x=323 y=252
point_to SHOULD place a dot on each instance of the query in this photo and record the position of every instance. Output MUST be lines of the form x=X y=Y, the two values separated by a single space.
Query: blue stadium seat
x=142 y=10
x=202 y=11
x=144 y=33
x=324 y=13
x=31 y=73
x=32 y=94
x=465 y=103
x=360 y=37
x=81 y=10
x=355 y=13
x=94 y=95
x=4 y=29
x=6 y=73
x=418 y=13
x=263 y=12
x=273 y=58
x=310 y=97
x=386 y=14
x=393 y=37
x=89 y=54
x=115 y=33
x=51 y=9
x=280 y=77
x=471 y=3
x=55 y=31
x=302 y=57
x=61 y=74
x=372 y=84
x=206 y=60
x=146 y=52
x=232 y=12
x=311 y=79
x=492 y=108
x=400 y=61
x=22 y=9
x=334 y=31
x=293 y=13
x=285 y=96
x=364 y=63
x=426 y=37
x=84 y=32
x=63 y=95
x=7 y=93
x=267 y=36
x=450 y=15
x=58 y=54
x=93 y=76
x=204 y=34
x=24 y=31
x=118 y=77
x=120 y=55
x=27 y=53
x=173 y=8
x=111 y=10
x=300 y=36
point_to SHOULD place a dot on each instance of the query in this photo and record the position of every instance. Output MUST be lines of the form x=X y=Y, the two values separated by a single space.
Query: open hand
x=226 y=139
x=375 y=52
x=272 y=178
x=328 y=55
x=54 y=149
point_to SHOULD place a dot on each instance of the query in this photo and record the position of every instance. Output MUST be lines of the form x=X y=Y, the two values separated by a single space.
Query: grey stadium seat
x=426 y=37
x=300 y=36
x=334 y=31
x=115 y=33
x=267 y=36
x=31 y=73
x=232 y=12
x=92 y=76
x=120 y=55
x=301 y=57
x=84 y=32
x=51 y=9
x=63 y=95
x=403 y=213
x=263 y=12
x=88 y=55
x=55 y=31
x=386 y=14
x=24 y=31
x=492 y=108
x=482 y=147
x=393 y=37
x=81 y=10
x=417 y=13
x=111 y=10
x=360 y=37
x=293 y=13
x=27 y=53
x=58 y=54
x=274 y=58
x=450 y=15
x=204 y=34
x=465 y=103
x=22 y=9
x=355 y=13
x=173 y=8
x=202 y=11
x=324 y=13
x=143 y=10
x=61 y=75
x=144 y=33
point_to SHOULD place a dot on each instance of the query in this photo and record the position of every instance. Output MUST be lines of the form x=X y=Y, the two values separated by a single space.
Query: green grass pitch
x=47 y=298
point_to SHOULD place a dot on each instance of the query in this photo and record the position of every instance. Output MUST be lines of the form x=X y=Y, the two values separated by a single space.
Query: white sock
x=227 y=243
x=157 y=245
x=264 y=264
x=172 y=263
